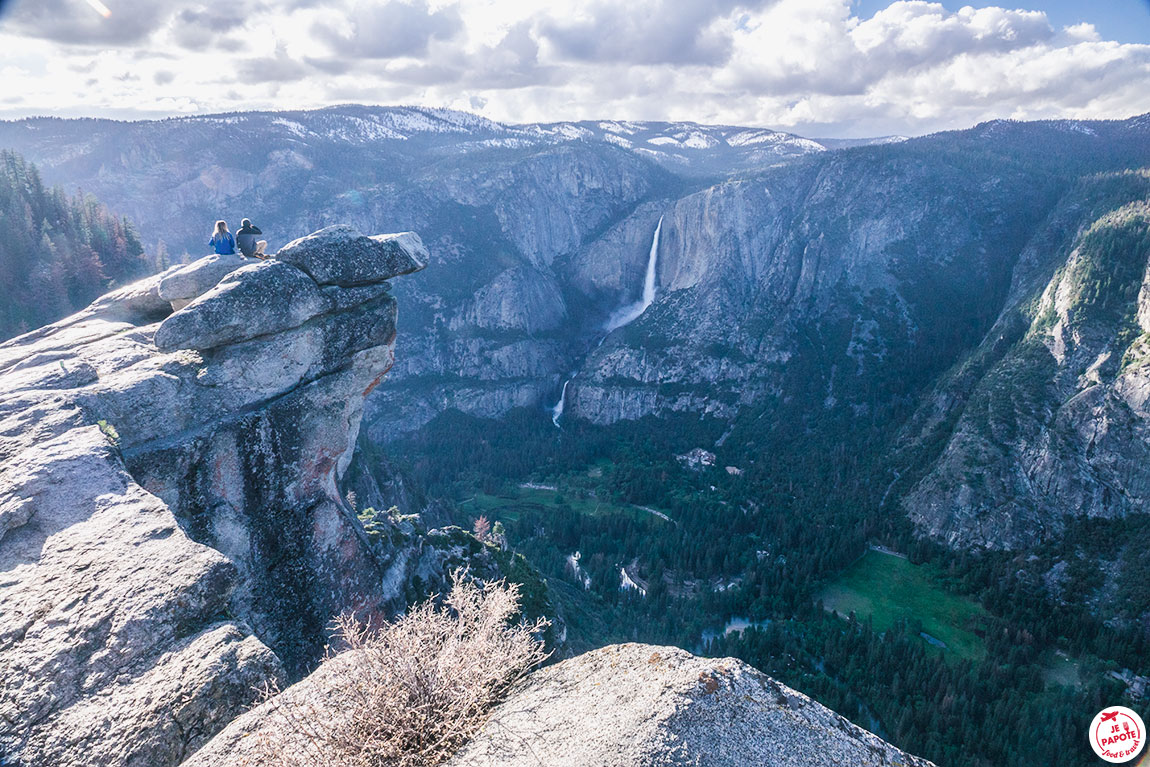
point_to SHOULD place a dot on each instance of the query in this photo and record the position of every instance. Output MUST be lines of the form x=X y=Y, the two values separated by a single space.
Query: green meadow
x=887 y=588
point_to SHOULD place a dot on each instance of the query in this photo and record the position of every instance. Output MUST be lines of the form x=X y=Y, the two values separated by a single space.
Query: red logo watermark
x=1117 y=734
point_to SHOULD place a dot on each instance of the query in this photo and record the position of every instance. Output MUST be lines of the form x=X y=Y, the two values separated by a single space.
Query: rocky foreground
x=637 y=705
x=172 y=538
x=629 y=705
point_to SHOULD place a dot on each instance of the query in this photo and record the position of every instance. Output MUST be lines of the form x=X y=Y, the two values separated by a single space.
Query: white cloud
x=811 y=66
x=1084 y=32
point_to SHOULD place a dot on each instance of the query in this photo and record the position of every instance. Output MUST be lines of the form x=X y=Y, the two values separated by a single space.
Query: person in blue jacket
x=222 y=240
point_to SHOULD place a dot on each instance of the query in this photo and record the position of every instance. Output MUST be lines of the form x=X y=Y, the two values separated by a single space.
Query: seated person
x=246 y=237
x=222 y=241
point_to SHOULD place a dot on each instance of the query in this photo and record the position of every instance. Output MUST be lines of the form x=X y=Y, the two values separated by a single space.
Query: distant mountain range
x=683 y=146
x=808 y=285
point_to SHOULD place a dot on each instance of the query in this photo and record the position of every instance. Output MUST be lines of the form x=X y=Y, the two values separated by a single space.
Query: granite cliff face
x=794 y=284
x=171 y=534
x=1055 y=424
x=627 y=705
x=1006 y=300
x=859 y=255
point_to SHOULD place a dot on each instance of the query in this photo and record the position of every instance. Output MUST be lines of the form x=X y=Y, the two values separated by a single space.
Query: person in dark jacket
x=222 y=241
x=246 y=237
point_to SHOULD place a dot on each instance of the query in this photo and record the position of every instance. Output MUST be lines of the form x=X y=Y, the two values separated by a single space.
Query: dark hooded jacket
x=246 y=237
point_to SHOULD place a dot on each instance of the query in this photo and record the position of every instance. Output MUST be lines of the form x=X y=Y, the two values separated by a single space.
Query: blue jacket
x=224 y=244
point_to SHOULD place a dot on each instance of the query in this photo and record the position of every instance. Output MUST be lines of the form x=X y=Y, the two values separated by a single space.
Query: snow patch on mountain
x=748 y=137
x=414 y=121
x=357 y=130
x=561 y=131
x=805 y=144
x=509 y=142
x=1077 y=127
x=696 y=140
x=292 y=127
x=625 y=127
x=662 y=157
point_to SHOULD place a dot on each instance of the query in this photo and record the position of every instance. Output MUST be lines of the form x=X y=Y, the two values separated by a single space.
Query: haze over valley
x=591 y=436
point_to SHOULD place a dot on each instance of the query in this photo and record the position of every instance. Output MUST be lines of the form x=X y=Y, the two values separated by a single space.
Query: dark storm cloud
x=513 y=62
x=280 y=68
x=388 y=30
x=204 y=27
x=331 y=66
x=132 y=22
x=76 y=22
x=657 y=32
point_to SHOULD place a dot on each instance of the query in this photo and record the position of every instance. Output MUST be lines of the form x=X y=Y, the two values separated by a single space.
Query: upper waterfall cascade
x=629 y=313
x=622 y=316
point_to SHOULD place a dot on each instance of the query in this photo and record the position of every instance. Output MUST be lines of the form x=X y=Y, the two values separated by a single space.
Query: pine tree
x=58 y=252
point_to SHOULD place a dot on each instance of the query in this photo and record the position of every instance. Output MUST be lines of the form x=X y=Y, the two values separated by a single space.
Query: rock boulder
x=260 y=299
x=339 y=255
x=637 y=705
x=184 y=283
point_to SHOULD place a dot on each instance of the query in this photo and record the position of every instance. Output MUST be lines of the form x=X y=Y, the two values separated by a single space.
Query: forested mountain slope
x=1047 y=419
x=57 y=252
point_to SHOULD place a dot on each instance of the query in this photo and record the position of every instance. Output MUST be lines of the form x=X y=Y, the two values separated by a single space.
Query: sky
x=826 y=68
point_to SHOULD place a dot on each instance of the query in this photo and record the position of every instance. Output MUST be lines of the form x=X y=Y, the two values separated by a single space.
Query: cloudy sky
x=815 y=67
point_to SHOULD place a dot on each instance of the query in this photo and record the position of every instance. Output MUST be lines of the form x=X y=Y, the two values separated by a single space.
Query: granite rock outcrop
x=172 y=535
x=630 y=705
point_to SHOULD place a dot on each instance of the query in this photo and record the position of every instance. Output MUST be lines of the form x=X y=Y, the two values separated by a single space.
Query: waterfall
x=557 y=411
x=652 y=262
x=621 y=317
x=629 y=313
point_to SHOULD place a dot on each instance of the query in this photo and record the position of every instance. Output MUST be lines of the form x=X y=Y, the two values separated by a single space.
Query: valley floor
x=931 y=650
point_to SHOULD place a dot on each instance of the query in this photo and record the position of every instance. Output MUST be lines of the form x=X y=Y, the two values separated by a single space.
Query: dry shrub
x=411 y=693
